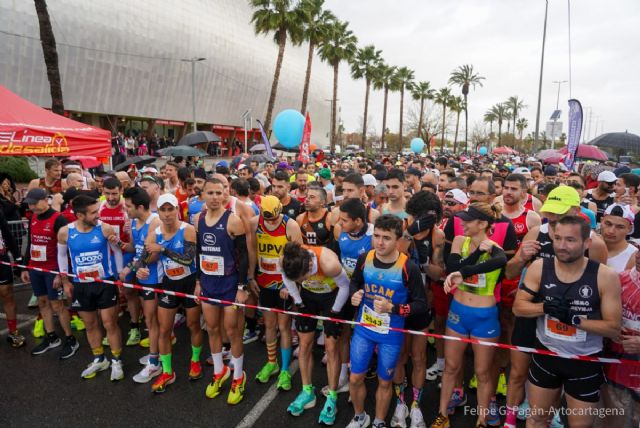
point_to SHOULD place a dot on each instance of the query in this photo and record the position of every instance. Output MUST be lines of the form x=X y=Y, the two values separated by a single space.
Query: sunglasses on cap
x=268 y=215
x=150 y=178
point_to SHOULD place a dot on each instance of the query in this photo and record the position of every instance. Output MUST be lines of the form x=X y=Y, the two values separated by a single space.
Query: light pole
x=556 y=115
x=193 y=86
x=544 y=37
x=246 y=116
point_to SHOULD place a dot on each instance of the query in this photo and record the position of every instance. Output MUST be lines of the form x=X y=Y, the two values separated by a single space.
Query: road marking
x=19 y=326
x=19 y=317
x=262 y=405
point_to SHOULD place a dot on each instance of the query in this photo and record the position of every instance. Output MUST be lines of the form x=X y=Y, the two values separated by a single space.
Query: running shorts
x=146 y=294
x=270 y=298
x=6 y=271
x=42 y=285
x=90 y=296
x=224 y=288
x=482 y=323
x=318 y=304
x=185 y=285
x=361 y=351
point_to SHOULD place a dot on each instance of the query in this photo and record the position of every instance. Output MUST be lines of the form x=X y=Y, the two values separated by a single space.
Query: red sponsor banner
x=306 y=140
x=169 y=122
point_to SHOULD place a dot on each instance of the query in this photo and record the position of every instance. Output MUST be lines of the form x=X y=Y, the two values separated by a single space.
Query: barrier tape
x=350 y=322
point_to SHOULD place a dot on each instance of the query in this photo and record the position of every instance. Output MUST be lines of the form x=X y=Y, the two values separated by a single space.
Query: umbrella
x=586 y=151
x=257 y=158
x=87 y=161
x=258 y=148
x=502 y=150
x=137 y=160
x=618 y=140
x=183 y=151
x=282 y=148
x=548 y=153
x=198 y=137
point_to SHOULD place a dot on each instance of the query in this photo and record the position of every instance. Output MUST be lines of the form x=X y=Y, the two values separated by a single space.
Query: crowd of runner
x=500 y=250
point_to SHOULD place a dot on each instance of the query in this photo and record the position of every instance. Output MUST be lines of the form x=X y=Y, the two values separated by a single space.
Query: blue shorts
x=223 y=288
x=361 y=352
x=466 y=320
x=42 y=285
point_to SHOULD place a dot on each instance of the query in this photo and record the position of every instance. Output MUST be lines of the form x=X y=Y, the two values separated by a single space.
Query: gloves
x=424 y=251
x=559 y=309
x=421 y=224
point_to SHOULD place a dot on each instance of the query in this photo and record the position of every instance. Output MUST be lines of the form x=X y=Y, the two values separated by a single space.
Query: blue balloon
x=417 y=144
x=288 y=127
x=482 y=150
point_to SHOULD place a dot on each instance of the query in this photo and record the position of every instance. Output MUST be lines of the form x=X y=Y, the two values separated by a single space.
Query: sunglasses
x=451 y=203
x=268 y=215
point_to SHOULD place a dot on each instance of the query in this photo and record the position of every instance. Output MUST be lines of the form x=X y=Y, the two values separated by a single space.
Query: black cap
x=550 y=171
x=199 y=173
x=472 y=213
x=35 y=195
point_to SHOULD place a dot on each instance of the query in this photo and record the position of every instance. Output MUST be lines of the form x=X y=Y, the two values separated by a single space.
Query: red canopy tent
x=29 y=130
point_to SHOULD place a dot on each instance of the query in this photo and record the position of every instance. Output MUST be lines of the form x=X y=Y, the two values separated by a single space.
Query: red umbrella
x=502 y=150
x=586 y=151
x=87 y=161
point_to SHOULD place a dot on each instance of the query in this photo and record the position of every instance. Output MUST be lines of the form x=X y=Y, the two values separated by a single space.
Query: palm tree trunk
x=366 y=111
x=334 y=108
x=455 y=139
x=401 y=108
x=515 y=116
x=282 y=41
x=384 y=117
x=421 y=117
x=444 y=116
x=466 y=124
x=499 y=133
x=307 y=79
x=50 y=53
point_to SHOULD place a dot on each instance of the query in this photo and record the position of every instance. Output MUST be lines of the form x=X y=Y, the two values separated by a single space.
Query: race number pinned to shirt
x=176 y=271
x=269 y=265
x=476 y=281
x=212 y=265
x=90 y=273
x=558 y=330
x=39 y=253
x=379 y=322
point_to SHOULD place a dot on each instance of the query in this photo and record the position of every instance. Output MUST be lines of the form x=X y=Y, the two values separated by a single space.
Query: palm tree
x=464 y=77
x=340 y=45
x=442 y=97
x=283 y=18
x=490 y=117
x=514 y=104
x=364 y=65
x=456 y=105
x=48 y=41
x=316 y=24
x=521 y=125
x=383 y=79
x=403 y=80
x=421 y=91
x=501 y=112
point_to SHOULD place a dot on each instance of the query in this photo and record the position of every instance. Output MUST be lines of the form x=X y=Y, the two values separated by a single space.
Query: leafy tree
x=364 y=66
x=465 y=77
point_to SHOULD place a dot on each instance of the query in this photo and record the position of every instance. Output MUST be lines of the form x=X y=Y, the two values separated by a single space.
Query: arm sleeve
x=455 y=262
x=60 y=222
x=292 y=288
x=510 y=240
x=185 y=258
x=448 y=237
x=342 y=281
x=357 y=279
x=240 y=243
x=417 y=302
x=497 y=260
x=63 y=258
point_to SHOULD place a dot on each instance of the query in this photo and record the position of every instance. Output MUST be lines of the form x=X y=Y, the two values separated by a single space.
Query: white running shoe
x=344 y=387
x=360 y=423
x=433 y=372
x=95 y=367
x=144 y=360
x=400 y=415
x=417 y=420
x=116 y=370
x=147 y=373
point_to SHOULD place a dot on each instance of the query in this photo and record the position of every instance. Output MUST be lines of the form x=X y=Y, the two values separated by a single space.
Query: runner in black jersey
x=315 y=223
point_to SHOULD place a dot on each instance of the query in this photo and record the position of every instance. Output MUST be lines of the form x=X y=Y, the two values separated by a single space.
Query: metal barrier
x=19 y=232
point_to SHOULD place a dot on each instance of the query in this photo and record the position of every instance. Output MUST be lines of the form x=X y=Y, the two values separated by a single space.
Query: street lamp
x=544 y=36
x=193 y=86
x=556 y=113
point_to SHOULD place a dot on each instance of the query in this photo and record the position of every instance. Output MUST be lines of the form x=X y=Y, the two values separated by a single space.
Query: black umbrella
x=282 y=148
x=183 y=151
x=199 y=137
x=137 y=160
x=618 y=140
x=258 y=148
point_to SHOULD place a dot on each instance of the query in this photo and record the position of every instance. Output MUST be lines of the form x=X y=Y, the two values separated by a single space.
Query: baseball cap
x=168 y=198
x=458 y=196
x=223 y=163
x=623 y=211
x=369 y=180
x=560 y=200
x=325 y=173
x=521 y=170
x=149 y=170
x=35 y=195
x=241 y=167
x=550 y=171
x=199 y=173
x=271 y=206
x=607 y=176
x=621 y=170
x=472 y=213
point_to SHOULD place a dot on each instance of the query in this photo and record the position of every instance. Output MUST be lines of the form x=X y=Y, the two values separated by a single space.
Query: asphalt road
x=44 y=391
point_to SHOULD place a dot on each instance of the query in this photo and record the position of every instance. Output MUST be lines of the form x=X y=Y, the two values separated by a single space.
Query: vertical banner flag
x=575 y=129
x=306 y=141
x=265 y=141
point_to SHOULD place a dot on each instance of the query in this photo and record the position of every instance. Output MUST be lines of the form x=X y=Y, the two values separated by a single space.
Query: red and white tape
x=350 y=322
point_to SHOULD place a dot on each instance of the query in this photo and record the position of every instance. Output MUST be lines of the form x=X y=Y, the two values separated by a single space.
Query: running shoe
x=360 y=422
x=116 y=370
x=379 y=424
x=296 y=352
x=501 y=389
x=38 y=328
x=329 y=412
x=523 y=411
x=556 y=422
x=493 y=417
x=295 y=340
x=76 y=323
x=473 y=382
x=144 y=342
x=213 y=389
x=134 y=337
x=179 y=320
x=249 y=337
x=458 y=398
x=226 y=354
x=441 y=421
x=69 y=348
x=508 y=425
x=16 y=340
x=324 y=358
x=267 y=371
x=144 y=360
x=46 y=345
x=434 y=372
x=195 y=370
x=236 y=394
x=417 y=420
x=147 y=373
x=341 y=388
x=400 y=414
x=94 y=367
x=165 y=379
x=33 y=302
x=303 y=401
x=105 y=341
x=284 y=381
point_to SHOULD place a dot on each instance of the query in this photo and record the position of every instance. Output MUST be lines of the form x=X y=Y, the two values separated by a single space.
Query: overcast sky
x=502 y=39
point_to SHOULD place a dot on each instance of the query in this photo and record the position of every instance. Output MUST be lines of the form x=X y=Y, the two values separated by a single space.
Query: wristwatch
x=242 y=287
x=576 y=320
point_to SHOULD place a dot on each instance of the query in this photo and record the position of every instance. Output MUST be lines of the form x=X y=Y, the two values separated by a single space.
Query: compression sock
x=12 y=325
x=237 y=366
x=195 y=353
x=166 y=363
x=154 y=359
x=286 y=358
x=399 y=390
x=417 y=396
x=218 y=364
x=308 y=388
x=98 y=353
x=332 y=394
x=511 y=415
x=271 y=351
x=115 y=354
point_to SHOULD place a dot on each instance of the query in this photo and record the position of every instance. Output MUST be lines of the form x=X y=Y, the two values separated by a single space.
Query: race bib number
x=39 y=253
x=316 y=286
x=379 y=322
x=212 y=265
x=476 y=281
x=175 y=270
x=90 y=273
x=558 y=330
x=269 y=265
x=349 y=265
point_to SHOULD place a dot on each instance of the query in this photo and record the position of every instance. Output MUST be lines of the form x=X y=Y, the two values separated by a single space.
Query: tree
x=442 y=97
x=315 y=27
x=50 y=52
x=514 y=105
x=364 y=66
x=464 y=77
x=490 y=117
x=456 y=105
x=501 y=112
x=403 y=80
x=340 y=45
x=421 y=91
x=383 y=79
x=521 y=125
x=284 y=19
